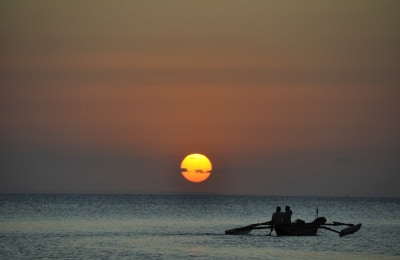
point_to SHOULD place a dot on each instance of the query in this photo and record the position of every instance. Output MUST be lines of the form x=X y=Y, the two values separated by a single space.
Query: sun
x=196 y=167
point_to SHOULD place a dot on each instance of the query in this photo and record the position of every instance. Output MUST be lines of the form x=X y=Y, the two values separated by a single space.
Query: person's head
x=287 y=208
x=278 y=209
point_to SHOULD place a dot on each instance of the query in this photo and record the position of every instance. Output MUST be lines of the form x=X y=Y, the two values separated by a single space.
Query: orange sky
x=286 y=98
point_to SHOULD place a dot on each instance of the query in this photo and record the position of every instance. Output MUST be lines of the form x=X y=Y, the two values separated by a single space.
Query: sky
x=284 y=97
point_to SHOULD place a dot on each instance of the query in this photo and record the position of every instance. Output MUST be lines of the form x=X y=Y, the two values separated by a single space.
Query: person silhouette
x=277 y=217
x=276 y=220
x=287 y=216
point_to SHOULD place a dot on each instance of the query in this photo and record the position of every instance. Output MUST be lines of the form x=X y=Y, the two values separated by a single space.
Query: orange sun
x=196 y=167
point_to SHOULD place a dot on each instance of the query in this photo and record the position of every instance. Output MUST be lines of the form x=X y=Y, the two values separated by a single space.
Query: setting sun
x=196 y=167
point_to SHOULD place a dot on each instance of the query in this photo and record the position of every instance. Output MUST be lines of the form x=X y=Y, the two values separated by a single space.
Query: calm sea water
x=188 y=226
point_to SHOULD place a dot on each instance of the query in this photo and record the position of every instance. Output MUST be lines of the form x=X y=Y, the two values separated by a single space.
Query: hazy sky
x=284 y=97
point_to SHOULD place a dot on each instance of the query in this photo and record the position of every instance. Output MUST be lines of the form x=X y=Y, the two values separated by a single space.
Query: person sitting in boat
x=277 y=217
x=287 y=216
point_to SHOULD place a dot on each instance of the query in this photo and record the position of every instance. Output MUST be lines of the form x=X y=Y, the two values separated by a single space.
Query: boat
x=298 y=228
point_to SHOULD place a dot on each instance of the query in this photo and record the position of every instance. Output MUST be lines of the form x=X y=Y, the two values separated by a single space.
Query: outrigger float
x=299 y=228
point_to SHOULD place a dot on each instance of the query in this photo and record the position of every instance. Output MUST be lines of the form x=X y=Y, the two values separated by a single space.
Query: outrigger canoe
x=300 y=228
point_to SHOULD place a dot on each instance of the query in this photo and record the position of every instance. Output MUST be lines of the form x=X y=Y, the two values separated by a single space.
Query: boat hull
x=297 y=230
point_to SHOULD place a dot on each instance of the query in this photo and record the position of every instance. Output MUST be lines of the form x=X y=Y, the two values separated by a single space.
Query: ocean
x=189 y=226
